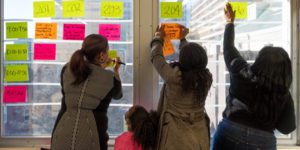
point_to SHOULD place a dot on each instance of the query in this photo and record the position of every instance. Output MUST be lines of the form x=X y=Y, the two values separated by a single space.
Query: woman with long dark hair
x=259 y=100
x=183 y=123
x=87 y=90
x=142 y=127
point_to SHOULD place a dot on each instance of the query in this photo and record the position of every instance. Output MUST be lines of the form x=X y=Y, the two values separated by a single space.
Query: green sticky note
x=16 y=52
x=73 y=8
x=111 y=9
x=16 y=30
x=16 y=73
x=171 y=9
x=112 y=54
x=43 y=9
x=240 y=9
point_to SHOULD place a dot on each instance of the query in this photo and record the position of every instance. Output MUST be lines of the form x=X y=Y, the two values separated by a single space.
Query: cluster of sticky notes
x=46 y=30
x=172 y=31
x=171 y=9
x=16 y=52
x=112 y=54
x=44 y=51
x=75 y=8
x=240 y=9
x=16 y=73
x=110 y=31
x=15 y=94
x=74 y=31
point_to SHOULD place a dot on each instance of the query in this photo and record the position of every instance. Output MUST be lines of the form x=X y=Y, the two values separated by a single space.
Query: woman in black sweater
x=259 y=100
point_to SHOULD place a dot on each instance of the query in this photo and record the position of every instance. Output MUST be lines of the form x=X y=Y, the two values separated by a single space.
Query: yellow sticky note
x=43 y=9
x=16 y=73
x=111 y=9
x=112 y=54
x=171 y=9
x=16 y=30
x=16 y=52
x=73 y=8
x=240 y=9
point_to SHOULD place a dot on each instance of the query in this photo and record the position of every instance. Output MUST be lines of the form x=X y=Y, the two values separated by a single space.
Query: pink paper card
x=15 y=94
x=110 y=31
x=44 y=51
x=74 y=31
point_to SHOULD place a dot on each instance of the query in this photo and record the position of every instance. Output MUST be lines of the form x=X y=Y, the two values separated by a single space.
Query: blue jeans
x=234 y=136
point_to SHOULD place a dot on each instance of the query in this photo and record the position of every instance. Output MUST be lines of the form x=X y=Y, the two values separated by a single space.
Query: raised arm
x=183 y=32
x=234 y=61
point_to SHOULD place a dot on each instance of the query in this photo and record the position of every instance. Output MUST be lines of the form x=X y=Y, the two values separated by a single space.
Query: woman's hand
x=160 y=31
x=117 y=65
x=183 y=32
x=229 y=13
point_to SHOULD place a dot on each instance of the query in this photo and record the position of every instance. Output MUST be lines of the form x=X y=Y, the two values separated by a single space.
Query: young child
x=142 y=127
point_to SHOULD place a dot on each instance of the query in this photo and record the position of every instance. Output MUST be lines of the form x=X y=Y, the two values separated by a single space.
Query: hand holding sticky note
x=240 y=9
x=172 y=31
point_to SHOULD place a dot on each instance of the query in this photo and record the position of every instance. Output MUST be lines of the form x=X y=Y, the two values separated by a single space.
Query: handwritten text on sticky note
x=73 y=8
x=171 y=9
x=15 y=94
x=16 y=52
x=44 y=51
x=16 y=73
x=240 y=9
x=16 y=30
x=172 y=30
x=110 y=31
x=168 y=47
x=112 y=9
x=43 y=9
x=74 y=32
x=46 y=30
x=112 y=54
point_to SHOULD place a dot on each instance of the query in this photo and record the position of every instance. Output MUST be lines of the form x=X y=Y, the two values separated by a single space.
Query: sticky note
x=110 y=31
x=44 y=51
x=171 y=9
x=74 y=32
x=16 y=73
x=240 y=9
x=168 y=47
x=112 y=54
x=16 y=52
x=43 y=9
x=16 y=30
x=172 y=30
x=46 y=30
x=15 y=94
x=111 y=9
x=73 y=8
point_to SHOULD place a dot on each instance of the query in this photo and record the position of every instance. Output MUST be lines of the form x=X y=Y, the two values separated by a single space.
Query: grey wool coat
x=183 y=123
x=82 y=121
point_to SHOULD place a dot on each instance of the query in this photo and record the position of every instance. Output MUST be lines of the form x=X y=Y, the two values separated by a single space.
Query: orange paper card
x=46 y=31
x=172 y=30
x=168 y=47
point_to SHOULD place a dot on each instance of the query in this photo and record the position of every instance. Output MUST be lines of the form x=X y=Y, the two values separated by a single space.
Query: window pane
x=267 y=23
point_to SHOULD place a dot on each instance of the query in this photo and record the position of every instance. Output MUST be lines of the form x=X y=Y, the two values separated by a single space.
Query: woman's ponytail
x=79 y=67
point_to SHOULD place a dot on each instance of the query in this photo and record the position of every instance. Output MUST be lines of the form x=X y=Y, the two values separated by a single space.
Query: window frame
x=145 y=78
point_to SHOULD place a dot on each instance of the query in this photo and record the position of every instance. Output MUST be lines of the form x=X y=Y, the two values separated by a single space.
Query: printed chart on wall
x=39 y=37
x=257 y=24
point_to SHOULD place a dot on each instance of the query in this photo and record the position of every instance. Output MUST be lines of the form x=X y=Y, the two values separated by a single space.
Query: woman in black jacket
x=259 y=100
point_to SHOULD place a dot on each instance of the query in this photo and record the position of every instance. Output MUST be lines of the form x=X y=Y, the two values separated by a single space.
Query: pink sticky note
x=110 y=31
x=74 y=31
x=15 y=94
x=44 y=51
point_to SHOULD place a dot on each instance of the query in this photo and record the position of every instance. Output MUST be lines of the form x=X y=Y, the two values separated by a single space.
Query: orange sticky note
x=46 y=30
x=172 y=30
x=168 y=47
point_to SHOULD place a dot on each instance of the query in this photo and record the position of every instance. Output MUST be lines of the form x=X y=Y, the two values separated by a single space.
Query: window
x=267 y=23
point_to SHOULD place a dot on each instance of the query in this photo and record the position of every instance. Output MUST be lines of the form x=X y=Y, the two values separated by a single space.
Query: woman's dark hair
x=273 y=76
x=92 y=45
x=195 y=76
x=144 y=126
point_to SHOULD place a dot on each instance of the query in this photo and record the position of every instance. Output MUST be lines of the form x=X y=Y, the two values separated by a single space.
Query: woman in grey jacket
x=183 y=123
x=87 y=90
